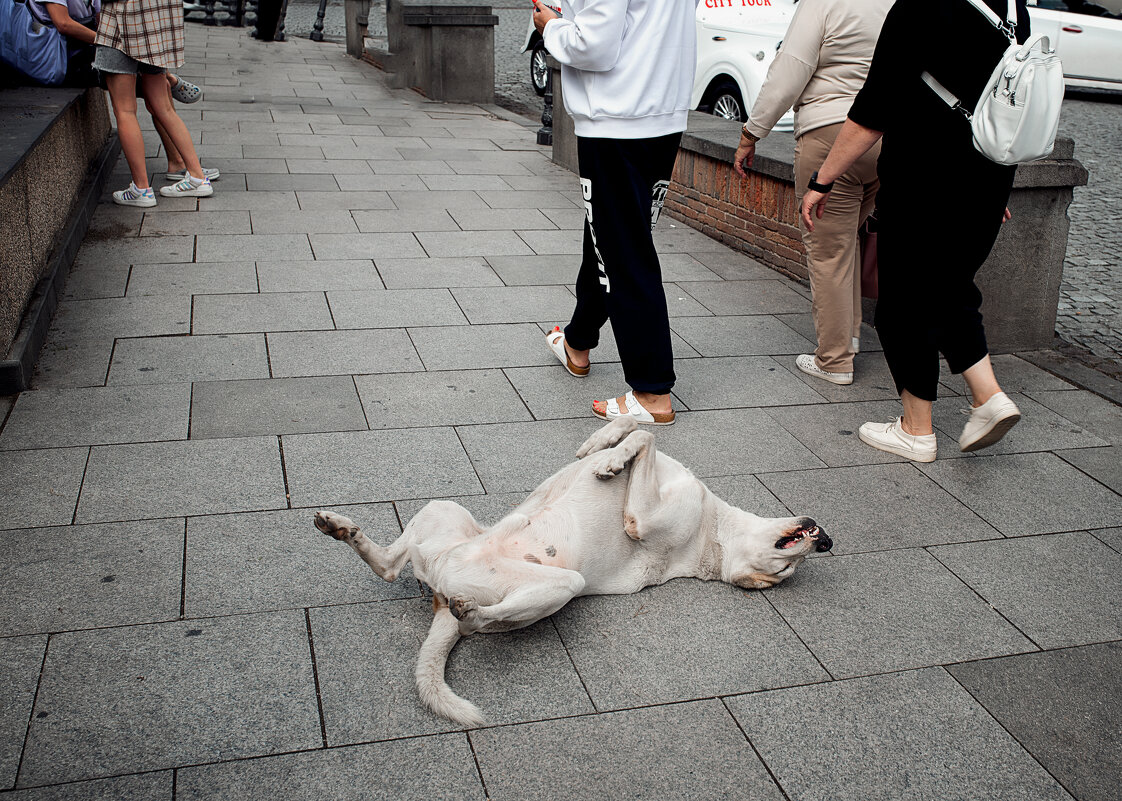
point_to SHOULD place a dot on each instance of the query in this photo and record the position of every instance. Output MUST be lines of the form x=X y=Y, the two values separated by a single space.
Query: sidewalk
x=356 y=321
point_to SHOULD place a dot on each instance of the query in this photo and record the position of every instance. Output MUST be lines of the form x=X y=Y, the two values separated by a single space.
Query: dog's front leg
x=387 y=562
x=544 y=590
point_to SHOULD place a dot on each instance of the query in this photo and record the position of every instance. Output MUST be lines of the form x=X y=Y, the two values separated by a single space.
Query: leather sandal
x=556 y=341
x=628 y=406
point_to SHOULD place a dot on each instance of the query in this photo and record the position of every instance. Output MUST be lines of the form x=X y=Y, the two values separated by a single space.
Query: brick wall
x=758 y=215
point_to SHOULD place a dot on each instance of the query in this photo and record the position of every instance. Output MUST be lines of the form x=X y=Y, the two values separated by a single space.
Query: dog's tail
x=435 y=692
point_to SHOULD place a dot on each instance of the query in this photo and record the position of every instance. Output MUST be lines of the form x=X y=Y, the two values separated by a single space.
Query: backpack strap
x=945 y=94
x=1008 y=26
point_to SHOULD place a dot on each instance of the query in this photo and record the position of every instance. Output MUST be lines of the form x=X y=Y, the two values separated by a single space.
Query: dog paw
x=335 y=526
x=461 y=608
x=610 y=468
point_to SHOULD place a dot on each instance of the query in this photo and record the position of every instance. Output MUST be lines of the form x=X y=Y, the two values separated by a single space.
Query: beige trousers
x=833 y=257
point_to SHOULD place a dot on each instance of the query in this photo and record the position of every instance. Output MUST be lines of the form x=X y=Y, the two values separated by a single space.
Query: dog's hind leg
x=387 y=561
x=434 y=691
x=543 y=590
x=608 y=436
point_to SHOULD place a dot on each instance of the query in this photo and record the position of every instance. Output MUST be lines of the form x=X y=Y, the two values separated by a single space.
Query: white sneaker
x=856 y=345
x=188 y=188
x=210 y=173
x=808 y=365
x=892 y=438
x=134 y=196
x=989 y=422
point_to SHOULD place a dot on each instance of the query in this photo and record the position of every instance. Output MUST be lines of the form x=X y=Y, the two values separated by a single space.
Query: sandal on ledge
x=628 y=406
x=556 y=341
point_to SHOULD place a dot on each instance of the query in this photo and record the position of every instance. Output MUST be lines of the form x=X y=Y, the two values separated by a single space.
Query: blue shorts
x=112 y=60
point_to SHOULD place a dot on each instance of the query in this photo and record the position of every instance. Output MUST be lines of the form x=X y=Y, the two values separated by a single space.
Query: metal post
x=317 y=28
x=545 y=133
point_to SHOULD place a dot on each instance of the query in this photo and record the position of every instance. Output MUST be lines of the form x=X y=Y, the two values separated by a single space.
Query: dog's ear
x=755 y=581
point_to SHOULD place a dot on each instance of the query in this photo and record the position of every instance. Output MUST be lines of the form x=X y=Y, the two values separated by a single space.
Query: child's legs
x=157 y=97
x=122 y=91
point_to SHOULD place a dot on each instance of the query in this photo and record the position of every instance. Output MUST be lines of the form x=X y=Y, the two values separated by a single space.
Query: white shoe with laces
x=135 y=196
x=807 y=363
x=188 y=187
x=988 y=423
x=892 y=438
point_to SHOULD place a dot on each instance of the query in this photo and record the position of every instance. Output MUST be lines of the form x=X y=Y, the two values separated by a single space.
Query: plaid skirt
x=148 y=30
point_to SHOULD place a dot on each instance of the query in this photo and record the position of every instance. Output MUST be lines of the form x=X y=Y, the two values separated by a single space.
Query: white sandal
x=556 y=341
x=634 y=410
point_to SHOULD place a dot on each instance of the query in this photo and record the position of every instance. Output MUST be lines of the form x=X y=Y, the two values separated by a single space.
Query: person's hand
x=1007 y=216
x=745 y=155
x=542 y=15
x=815 y=201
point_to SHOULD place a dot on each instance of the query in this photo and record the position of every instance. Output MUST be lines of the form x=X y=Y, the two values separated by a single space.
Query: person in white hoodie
x=626 y=75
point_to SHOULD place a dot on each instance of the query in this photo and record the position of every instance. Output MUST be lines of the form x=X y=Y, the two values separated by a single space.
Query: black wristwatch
x=817 y=187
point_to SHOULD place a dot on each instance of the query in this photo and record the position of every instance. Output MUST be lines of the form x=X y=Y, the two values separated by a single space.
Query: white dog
x=623 y=518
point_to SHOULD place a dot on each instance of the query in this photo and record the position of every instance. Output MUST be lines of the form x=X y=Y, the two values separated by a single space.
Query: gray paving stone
x=1032 y=585
x=1063 y=707
x=1014 y=375
x=370 y=182
x=535 y=270
x=551 y=393
x=245 y=247
x=399 y=221
x=436 y=273
x=150 y=697
x=86 y=283
x=59 y=418
x=366 y=246
x=342 y=353
x=574 y=219
x=1031 y=493
x=461 y=397
x=1098 y=415
x=679 y=303
x=740 y=336
x=1040 y=429
x=739 y=381
x=171 y=479
x=275 y=406
x=40 y=488
x=733 y=266
x=1102 y=464
x=877 y=612
x=192 y=279
x=324 y=166
x=908 y=735
x=685 y=640
x=473 y=243
x=20 y=661
x=1111 y=536
x=395 y=308
x=747 y=297
x=526 y=199
x=872 y=381
x=423 y=769
x=264 y=182
x=164 y=250
x=274 y=311
x=369 y=692
x=281 y=562
x=569 y=242
x=272 y=221
x=424 y=200
x=326 y=201
x=121 y=317
x=196 y=222
x=452 y=183
x=317 y=276
x=383 y=466
x=878 y=507
x=501 y=220
x=90 y=576
x=831 y=431
x=167 y=360
x=422 y=167
x=516 y=304
x=674 y=237
x=804 y=324
x=138 y=787
x=749 y=494
x=690 y=751
x=253 y=201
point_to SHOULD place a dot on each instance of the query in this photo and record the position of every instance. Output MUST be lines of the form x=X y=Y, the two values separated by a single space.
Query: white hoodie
x=627 y=65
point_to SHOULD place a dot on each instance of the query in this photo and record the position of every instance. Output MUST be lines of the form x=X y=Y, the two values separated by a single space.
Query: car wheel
x=724 y=100
x=539 y=70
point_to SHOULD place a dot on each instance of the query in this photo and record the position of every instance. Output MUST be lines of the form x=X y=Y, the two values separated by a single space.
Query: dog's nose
x=824 y=543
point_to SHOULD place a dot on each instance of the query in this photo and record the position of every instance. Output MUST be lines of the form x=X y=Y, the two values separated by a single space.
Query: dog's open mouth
x=823 y=542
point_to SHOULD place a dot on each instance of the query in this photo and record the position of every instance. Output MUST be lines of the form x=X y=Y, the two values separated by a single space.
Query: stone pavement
x=355 y=321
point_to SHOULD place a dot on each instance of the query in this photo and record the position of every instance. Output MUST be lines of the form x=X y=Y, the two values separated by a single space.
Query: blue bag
x=35 y=49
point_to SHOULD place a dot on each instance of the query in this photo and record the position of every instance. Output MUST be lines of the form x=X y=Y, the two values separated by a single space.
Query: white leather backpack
x=1017 y=117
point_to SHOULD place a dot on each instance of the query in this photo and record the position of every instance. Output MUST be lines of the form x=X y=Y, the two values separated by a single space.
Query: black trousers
x=624 y=183
x=929 y=248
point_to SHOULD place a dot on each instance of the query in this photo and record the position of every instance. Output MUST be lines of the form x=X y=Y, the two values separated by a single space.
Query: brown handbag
x=867 y=240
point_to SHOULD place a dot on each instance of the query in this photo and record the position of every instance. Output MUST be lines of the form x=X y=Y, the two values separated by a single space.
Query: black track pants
x=624 y=183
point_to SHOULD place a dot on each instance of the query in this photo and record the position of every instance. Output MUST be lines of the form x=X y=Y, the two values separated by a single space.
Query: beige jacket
x=822 y=64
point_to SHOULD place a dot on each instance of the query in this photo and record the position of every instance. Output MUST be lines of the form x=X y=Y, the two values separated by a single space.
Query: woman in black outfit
x=940 y=206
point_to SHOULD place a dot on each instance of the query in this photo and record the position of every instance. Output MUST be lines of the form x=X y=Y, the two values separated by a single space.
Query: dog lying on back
x=621 y=518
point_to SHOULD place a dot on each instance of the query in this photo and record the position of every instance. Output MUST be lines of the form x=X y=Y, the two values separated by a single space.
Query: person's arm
x=591 y=40
x=854 y=141
x=65 y=24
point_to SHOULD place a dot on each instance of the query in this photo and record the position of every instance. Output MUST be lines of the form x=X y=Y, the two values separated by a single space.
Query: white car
x=735 y=46
x=1087 y=37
